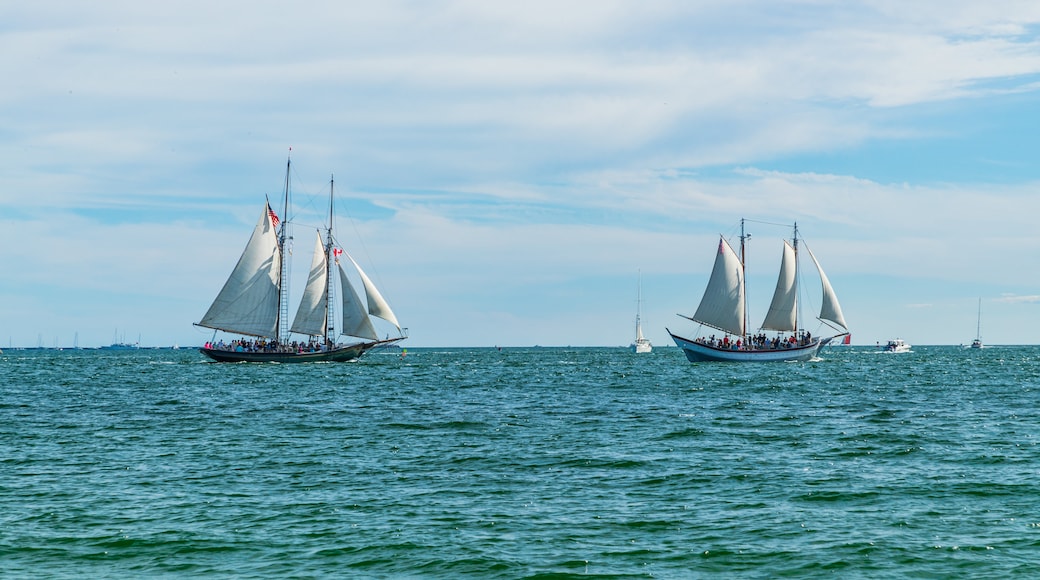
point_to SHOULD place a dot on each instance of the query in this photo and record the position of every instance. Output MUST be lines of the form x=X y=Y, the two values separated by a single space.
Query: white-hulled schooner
x=254 y=301
x=724 y=308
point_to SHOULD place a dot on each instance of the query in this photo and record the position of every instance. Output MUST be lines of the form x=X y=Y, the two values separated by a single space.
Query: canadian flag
x=336 y=253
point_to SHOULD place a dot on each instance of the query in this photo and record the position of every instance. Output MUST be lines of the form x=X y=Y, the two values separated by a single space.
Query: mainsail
x=312 y=315
x=783 y=310
x=722 y=305
x=248 y=302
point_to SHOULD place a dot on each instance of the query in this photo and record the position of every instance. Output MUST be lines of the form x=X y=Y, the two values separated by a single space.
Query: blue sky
x=509 y=168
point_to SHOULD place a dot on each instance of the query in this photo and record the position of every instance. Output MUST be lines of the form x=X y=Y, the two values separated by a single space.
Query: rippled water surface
x=542 y=462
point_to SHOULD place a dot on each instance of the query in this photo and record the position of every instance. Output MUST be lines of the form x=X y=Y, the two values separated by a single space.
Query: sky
x=511 y=173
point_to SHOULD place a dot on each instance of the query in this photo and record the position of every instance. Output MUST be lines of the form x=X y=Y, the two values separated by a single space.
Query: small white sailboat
x=641 y=345
x=977 y=343
x=724 y=307
x=254 y=301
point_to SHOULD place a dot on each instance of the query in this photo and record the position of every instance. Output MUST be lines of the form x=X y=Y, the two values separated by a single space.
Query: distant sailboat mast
x=978 y=324
x=639 y=304
x=977 y=343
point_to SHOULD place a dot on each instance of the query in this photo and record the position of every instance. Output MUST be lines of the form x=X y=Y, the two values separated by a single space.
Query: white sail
x=355 y=319
x=830 y=310
x=248 y=302
x=722 y=305
x=313 y=312
x=377 y=306
x=783 y=310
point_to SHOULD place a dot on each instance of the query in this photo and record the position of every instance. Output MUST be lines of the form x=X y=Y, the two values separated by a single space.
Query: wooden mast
x=330 y=333
x=797 y=277
x=743 y=280
x=283 y=274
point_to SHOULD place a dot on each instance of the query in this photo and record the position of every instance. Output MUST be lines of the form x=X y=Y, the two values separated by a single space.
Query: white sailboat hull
x=700 y=352
x=641 y=346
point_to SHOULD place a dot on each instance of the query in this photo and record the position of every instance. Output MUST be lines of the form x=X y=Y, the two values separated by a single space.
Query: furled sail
x=722 y=305
x=248 y=302
x=377 y=305
x=783 y=310
x=830 y=310
x=312 y=314
x=355 y=319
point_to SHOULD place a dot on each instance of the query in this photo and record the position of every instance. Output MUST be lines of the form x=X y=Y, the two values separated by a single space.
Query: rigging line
x=372 y=271
x=305 y=202
x=292 y=182
x=767 y=223
x=736 y=228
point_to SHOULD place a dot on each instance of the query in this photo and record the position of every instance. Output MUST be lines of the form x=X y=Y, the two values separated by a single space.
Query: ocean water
x=521 y=463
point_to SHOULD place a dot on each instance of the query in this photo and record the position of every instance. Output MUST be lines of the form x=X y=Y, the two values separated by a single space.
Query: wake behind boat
x=254 y=301
x=724 y=307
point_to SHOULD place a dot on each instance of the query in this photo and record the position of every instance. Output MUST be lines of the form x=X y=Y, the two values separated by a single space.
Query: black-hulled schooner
x=254 y=301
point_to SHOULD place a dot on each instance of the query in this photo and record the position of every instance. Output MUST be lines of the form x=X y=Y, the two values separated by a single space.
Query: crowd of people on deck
x=757 y=342
x=270 y=346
